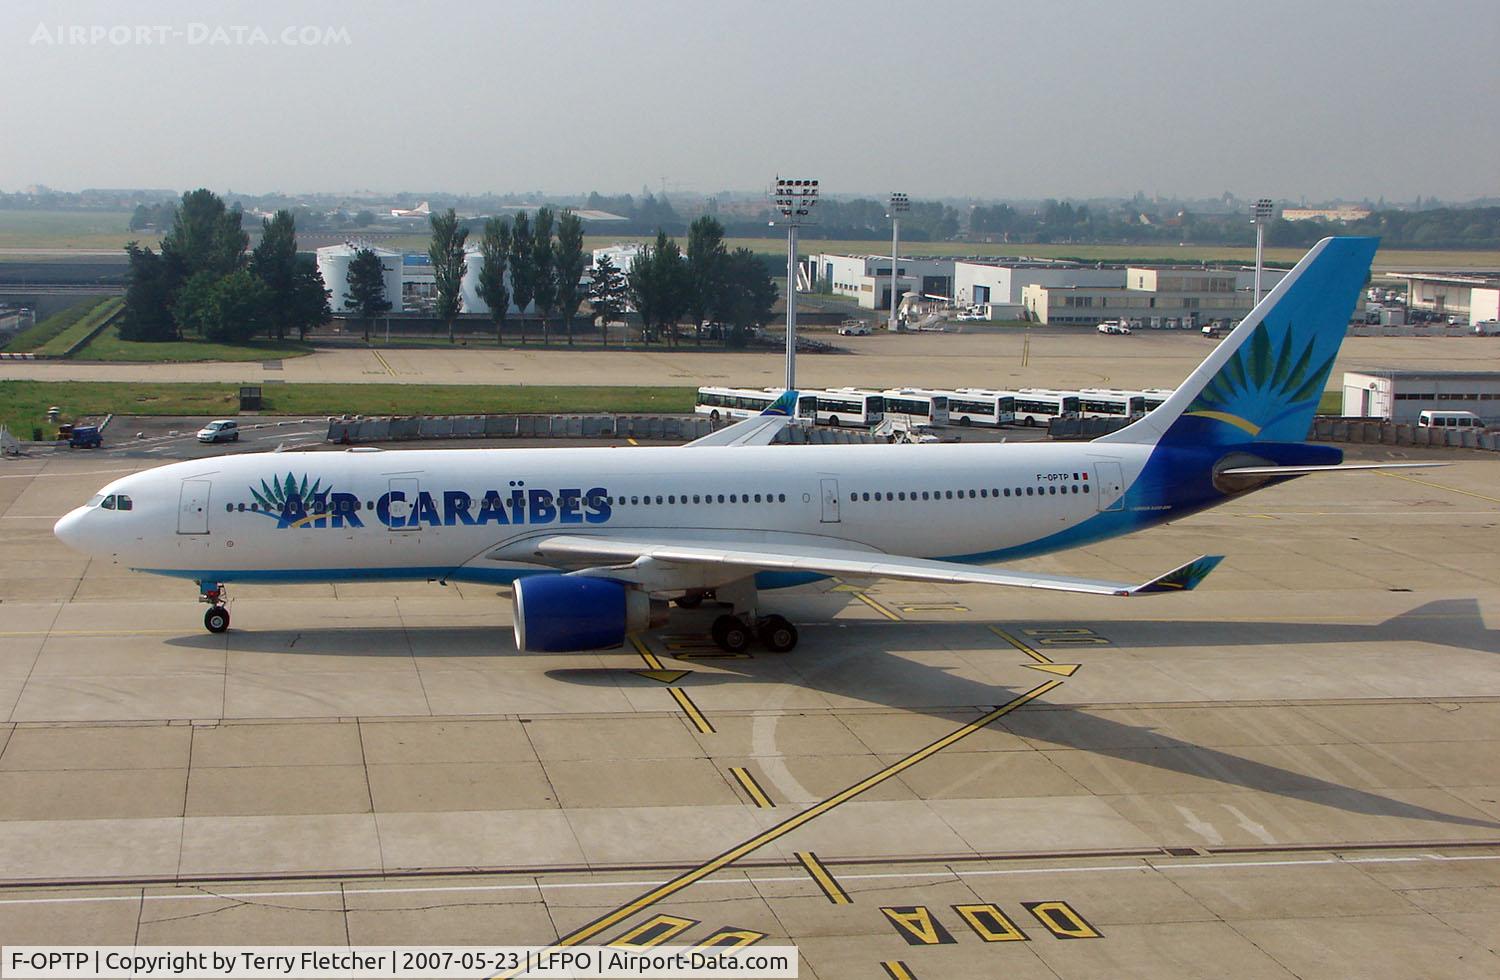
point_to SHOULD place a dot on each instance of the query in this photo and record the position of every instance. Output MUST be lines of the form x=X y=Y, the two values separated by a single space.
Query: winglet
x=1183 y=578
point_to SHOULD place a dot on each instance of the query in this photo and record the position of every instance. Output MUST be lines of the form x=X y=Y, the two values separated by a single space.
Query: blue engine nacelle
x=563 y=613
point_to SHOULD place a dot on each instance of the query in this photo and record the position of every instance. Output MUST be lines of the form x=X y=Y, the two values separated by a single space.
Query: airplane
x=595 y=543
x=422 y=210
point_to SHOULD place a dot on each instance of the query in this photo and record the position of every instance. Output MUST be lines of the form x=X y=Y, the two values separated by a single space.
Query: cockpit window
x=109 y=502
x=123 y=502
x=115 y=501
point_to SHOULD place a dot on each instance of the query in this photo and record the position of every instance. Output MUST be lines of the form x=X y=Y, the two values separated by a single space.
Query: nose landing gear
x=216 y=619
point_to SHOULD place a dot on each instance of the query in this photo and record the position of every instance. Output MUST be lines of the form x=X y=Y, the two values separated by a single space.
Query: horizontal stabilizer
x=1335 y=468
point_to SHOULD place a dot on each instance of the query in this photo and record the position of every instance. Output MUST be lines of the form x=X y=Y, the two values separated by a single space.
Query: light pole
x=899 y=205
x=1262 y=211
x=794 y=199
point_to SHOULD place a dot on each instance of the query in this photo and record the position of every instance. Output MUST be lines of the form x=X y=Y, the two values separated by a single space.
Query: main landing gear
x=216 y=619
x=733 y=633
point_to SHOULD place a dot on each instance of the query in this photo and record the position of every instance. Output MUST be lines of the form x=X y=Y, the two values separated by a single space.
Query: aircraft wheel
x=731 y=634
x=777 y=634
x=216 y=619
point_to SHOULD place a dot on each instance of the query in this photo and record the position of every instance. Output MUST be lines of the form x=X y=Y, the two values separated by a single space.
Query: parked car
x=854 y=328
x=1113 y=326
x=970 y=316
x=1487 y=328
x=220 y=430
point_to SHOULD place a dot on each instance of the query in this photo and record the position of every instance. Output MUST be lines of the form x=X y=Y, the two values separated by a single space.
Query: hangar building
x=1400 y=396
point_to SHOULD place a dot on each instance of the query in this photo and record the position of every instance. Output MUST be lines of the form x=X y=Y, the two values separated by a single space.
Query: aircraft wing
x=755 y=557
x=758 y=430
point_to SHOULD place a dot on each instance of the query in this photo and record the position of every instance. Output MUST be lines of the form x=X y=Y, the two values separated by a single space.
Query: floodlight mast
x=794 y=199
x=899 y=205
x=1263 y=210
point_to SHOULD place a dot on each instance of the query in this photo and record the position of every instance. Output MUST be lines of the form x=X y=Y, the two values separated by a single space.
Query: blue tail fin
x=786 y=404
x=1264 y=381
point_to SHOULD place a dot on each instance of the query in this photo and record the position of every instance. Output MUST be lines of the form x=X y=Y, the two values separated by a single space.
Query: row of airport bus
x=861 y=407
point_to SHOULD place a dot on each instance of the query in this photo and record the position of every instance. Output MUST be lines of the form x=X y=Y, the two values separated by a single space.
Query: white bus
x=1038 y=406
x=741 y=403
x=1111 y=403
x=848 y=406
x=918 y=406
x=981 y=406
x=1155 y=396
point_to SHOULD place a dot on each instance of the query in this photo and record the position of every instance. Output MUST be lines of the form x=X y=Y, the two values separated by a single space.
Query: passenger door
x=1109 y=484
x=403 y=504
x=830 y=502
x=192 y=507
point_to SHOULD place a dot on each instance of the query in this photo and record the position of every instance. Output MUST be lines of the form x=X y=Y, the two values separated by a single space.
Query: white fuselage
x=469 y=513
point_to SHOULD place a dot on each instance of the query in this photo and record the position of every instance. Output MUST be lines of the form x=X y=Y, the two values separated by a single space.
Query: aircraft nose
x=70 y=531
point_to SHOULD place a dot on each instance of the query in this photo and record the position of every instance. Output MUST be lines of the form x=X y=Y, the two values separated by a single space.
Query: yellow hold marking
x=751 y=787
x=1228 y=419
x=897 y=970
x=824 y=878
x=691 y=710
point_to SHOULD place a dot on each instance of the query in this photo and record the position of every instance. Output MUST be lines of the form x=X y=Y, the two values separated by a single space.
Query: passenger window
x=757 y=498
x=982 y=493
x=924 y=494
x=781 y=498
x=1028 y=491
x=721 y=498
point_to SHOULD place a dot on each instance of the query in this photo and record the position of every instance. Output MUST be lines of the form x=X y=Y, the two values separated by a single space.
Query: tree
x=364 y=219
x=366 y=281
x=494 y=251
x=748 y=296
x=448 y=267
x=148 y=298
x=522 y=267
x=606 y=294
x=309 y=300
x=230 y=308
x=706 y=257
x=205 y=237
x=274 y=262
x=543 y=263
x=570 y=264
x=659 y=285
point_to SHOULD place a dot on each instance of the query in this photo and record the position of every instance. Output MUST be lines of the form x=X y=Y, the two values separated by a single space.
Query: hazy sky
x=1315 y=99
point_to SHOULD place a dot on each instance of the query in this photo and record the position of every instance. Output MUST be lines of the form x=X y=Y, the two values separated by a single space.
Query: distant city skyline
x=1315 y=102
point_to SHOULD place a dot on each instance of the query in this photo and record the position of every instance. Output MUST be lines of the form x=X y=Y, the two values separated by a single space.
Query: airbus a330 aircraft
x=596 y=542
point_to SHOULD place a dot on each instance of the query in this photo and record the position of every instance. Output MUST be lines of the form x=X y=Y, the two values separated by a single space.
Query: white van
x=1449 y=420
